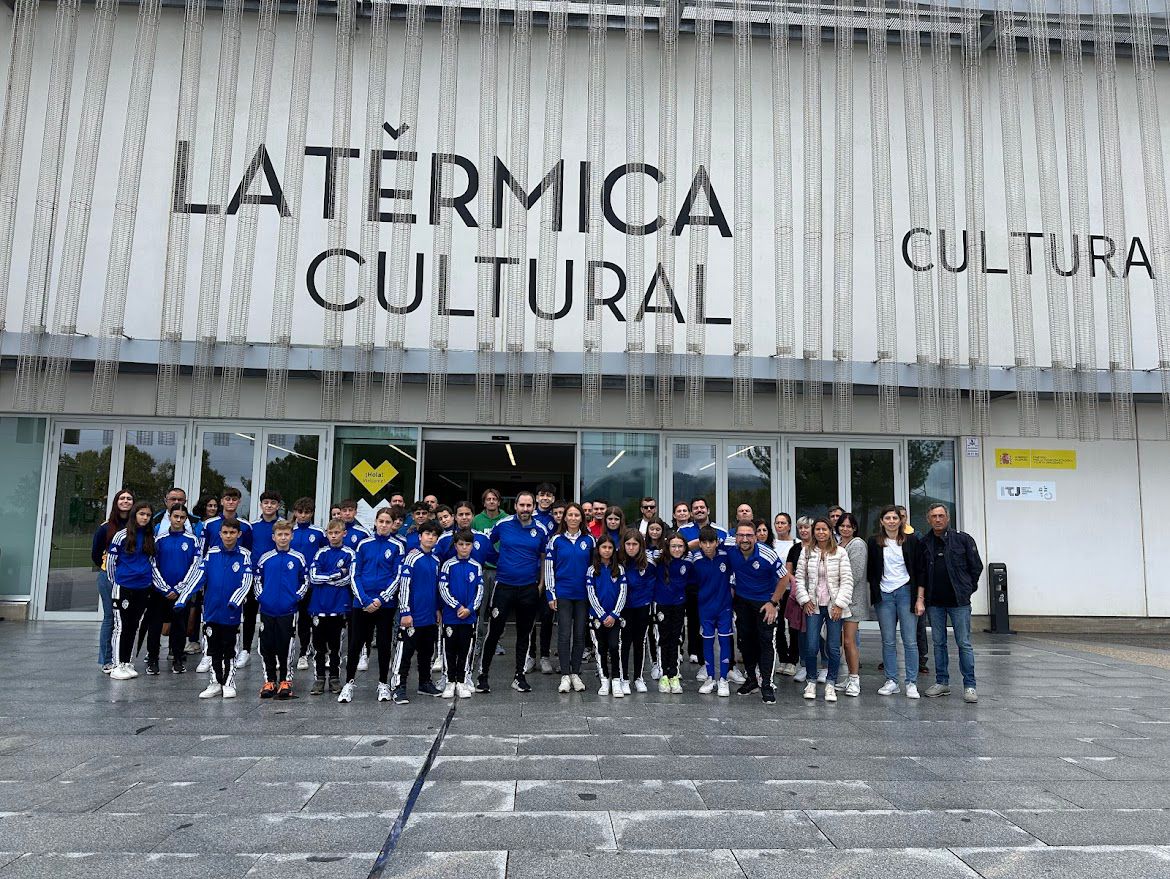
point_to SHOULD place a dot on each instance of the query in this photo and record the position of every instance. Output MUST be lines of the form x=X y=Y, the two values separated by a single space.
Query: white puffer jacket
x=839 y=575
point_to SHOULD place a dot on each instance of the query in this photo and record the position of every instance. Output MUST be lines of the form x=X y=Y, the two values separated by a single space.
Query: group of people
x=648 y=593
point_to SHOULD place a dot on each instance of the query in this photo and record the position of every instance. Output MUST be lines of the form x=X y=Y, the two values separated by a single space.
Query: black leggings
x=458 y=644
x=420 y=640
x=251 y=611
x=276 y=645
x=608 y=642
x=362 y=626
x=669 y=625
x=221 y=645
x=160 y=610
x=131 y=606
x=694 y=632
x=637 y=624
x=304 y=625
x=572 y=617
x=525 y=601
x=327 y=643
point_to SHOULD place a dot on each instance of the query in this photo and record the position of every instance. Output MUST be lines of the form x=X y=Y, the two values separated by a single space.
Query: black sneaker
x=769 y=696
x=482 y=685
x=318 y=687
x=334 y=685
x=152 y=666
x=428 y=688
x=179 y=666
x=399 y=696
x=520 y=684
x=748 y=687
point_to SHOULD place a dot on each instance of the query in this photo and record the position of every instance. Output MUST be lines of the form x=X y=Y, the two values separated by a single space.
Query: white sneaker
x=889 y=688
x=970 y=696
x=701 y=674
x=912 y=691
x=449 y=691
x=529 y=664
x=603 y=690
x=707 y=687
x=566 y=684
x=303 y=664
x=655 y=671
x=578 y=684
x=853 y=688
x=822 y=675
x=385 y=694
x=204 y=665
x=736 y=676
x=723 y=690
x=229 y=692
x=108 y=668
x=664 y=684
x=213 y=690
x=242 y=658
x=437 y=665
x=463 y=691
x=675 y=685
x=346 y=694
x=546 y=667
x=639 y=685
x=619 y=688
x=810 y=690
x=786 y=669
x=841 y=684
x=800 y=675
x=625 y=687
x=364 y=660
x=830 y=694
x=122 y=672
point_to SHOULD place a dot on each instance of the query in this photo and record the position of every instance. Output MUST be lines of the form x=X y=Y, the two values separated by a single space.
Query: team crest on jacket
x=756 y=565
x=236 y=567
x=341 y=562
x=682 y=569
x=722 y=568
x=389 y=553
x=184 y=546
x=532 y=533
x=291 y=564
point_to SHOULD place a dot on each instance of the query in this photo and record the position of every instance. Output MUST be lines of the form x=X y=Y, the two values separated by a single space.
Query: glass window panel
x=148 y=466
x=386 y=451
x=749 y=480
x=80 y=504
x=622 y=468
x=871 y=485
x=816 y=478
x=693 y=468
x=228 y=457
x=22 y=451
x=931 y=464
x=290 y=466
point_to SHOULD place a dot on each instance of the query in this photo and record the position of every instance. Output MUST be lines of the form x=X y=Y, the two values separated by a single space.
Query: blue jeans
x=105 y=590
x=895 y=608
x=961 y=623
x=812 y=634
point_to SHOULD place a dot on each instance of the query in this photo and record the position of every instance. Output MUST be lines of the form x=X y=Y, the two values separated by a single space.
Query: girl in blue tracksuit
x=605 y=584
x=331 y=575
x=460 y=596
x=282 y=579
x=641 y=575
x=676 y=574
x=130 y=567
x=566 y=559
x=224 y=576
x=176 y=552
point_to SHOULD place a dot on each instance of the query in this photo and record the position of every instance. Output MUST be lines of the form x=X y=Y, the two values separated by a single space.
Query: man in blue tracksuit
x=224 y=575
x=713 y=575
x=375 y=585
x=418 y=595
x=331 y=575
x=461 y=594
x=176 y=552
x=307 y=538
x=521 y=541
x=282 y=578
x=758 y=578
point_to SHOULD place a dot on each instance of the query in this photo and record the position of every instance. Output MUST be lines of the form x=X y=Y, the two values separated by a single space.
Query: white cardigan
x=840 y=578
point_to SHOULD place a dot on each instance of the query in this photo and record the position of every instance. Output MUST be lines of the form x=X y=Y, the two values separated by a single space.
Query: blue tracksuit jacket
x=282 y=579
x=211 y=533
x=521 y=549
x=224 y=577
x=418 y=587
x=175 y=553
x=331 y=576
x=375 y=572
x=129 y=570
x=714 y=579
x=755 y=577
x=307 y=539
x=482 y=549
x=566 y=559
x=671 y=589
x=607 y=592
x=641 y=584
x=460 y=585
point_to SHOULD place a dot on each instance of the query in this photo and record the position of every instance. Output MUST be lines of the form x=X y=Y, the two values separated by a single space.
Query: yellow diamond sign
x=373 y=479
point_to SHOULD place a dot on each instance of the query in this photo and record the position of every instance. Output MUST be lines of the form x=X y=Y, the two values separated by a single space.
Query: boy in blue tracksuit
x=418 y=630
x=307 y=538
x=262 y=544
x=460 y=594
x=176 y=552
x=713 y=575
x=355 y=531
x=375 y=585
x=331 y=574
x=676 y=576
x=282 y=577
x=224 y=576
x=605 y=584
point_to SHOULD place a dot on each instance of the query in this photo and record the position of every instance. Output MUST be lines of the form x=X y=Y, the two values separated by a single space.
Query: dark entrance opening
x=460 y=470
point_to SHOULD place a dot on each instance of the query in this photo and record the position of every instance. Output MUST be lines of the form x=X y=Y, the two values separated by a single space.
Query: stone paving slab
x=128 y=866
x=658 y=864
x=918 y=863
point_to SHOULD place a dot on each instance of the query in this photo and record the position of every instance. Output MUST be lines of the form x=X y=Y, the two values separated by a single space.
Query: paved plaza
x=1061 y=770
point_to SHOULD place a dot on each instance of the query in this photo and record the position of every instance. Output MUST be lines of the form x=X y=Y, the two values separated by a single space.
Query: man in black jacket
x=949 y=569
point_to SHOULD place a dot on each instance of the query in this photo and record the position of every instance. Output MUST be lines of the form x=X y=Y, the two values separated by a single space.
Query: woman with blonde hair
x=824 y=587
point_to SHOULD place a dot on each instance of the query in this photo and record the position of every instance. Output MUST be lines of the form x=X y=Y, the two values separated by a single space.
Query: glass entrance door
x=89 y=463
x=860 y=475
x=727 y=473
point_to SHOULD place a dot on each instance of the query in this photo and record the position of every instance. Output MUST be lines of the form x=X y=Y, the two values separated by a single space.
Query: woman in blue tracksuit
x=641 y=576
x=566 y=559
x=605 y=584
x=176 y=551
x=676 y=573
x=130 y=567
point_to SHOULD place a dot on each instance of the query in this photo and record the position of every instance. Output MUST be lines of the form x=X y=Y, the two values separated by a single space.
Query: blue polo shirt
x=756 y=575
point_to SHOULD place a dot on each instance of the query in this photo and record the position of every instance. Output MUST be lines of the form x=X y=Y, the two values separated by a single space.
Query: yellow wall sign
x=373 y=479
x=1036 y=459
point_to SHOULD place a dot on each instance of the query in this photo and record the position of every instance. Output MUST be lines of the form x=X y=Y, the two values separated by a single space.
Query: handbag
x=794 y=614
